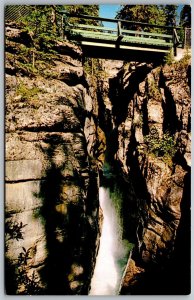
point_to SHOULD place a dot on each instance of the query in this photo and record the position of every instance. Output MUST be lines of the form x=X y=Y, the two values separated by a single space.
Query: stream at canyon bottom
x=113 y=251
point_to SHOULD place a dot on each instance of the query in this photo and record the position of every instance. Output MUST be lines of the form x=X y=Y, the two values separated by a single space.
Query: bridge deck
x=96 y=40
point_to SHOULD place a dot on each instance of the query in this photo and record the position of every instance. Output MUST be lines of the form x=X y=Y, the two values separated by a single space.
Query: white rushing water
x=113 y=253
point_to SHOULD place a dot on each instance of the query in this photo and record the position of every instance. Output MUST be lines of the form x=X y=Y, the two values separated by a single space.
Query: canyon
x=69 y=133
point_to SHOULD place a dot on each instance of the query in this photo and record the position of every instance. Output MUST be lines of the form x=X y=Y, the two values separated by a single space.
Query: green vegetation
x=27 y=93
x=153 y=14
x=93 y=67
x=153 y=90
x=169 y=58
x=164 y=15
x=42 y=20
x=141 y=13
x=36 y=60
x=47 y=20
x=164 y=146
x=45 y=25
x=92 y=10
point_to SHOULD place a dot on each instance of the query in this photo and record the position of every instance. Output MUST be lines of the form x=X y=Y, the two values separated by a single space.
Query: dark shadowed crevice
x=104 y=117
x=171 y=123
x=182 y=252
x=145 y=127
x=137 y=178
x=189 y=76
x=120 y=96
x=139 y=186
x=10 y=277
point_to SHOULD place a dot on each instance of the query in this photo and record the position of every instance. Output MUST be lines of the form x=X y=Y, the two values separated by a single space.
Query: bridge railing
x=187 y=38
x=124 y=29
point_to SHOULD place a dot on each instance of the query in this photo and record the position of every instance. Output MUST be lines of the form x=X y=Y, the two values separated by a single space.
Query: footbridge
x=126 y=40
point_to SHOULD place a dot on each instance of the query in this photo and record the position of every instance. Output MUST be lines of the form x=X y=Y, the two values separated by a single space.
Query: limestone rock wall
x=151 y=110
x=52 y=141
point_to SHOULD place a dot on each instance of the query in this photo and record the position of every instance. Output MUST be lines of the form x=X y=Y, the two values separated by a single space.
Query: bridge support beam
x=123 y=54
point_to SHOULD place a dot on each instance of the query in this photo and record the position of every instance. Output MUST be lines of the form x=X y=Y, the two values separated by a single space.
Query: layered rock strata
x=52 y=162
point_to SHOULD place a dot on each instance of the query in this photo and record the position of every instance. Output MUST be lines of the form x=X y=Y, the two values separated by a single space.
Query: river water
x=113 y=251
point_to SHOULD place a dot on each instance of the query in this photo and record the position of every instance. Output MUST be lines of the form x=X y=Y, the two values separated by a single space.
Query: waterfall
x=113 y=251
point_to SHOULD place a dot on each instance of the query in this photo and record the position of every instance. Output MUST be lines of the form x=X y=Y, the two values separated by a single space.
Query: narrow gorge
x=120 y=133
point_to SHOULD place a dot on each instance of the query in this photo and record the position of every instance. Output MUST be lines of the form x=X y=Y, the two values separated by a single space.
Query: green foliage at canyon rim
x=164 y=147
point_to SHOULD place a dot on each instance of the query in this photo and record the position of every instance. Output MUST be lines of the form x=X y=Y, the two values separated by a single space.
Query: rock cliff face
x=56 y=117
x=52 y=162
x=149 y=113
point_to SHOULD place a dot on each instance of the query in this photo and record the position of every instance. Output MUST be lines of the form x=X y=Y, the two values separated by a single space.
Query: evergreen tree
x=185 y=16
x=42 y=20
x=47 y=19
x=91 y=10
x=170 y=12
x=152 y=14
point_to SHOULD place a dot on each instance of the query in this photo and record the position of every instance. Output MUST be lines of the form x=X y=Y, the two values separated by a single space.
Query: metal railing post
x=118 y=28
x=176 y=41
x=119 y=32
